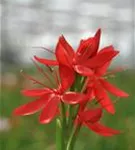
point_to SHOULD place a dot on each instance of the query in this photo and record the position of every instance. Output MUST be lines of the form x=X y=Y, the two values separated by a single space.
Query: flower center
x=57 y=92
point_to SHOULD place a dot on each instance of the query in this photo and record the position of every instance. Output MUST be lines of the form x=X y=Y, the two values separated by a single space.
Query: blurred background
x=30 y=23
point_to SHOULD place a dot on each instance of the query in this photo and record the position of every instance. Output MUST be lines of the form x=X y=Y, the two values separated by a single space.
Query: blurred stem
x=63 y=114
x=79 y=86
x=70 y=117
x=61 y=128
x=73 y=111
x=85 y=81
x=75 y=87
x=74 y=131
x=59 y=138
x=70 y=110
x=73 y=137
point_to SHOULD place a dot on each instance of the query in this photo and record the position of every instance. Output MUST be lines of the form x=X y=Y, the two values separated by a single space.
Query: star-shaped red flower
x=99 y=86
x=84 y=59
x=48 y=99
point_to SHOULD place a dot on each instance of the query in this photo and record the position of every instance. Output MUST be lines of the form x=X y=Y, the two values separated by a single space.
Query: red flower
x=49 y=99
x=84 y=59
x=99 y=87
x=91 y=119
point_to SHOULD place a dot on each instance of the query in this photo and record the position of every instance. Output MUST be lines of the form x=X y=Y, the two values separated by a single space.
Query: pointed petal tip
x=112 y=112
x=14 y=113
x=126 y=95
x=113 y=89
x=44 y=121
x=46 y=61
x=31 y=107
x=103 y=130
x=98 y=31
x=18 y=112
x=123 y=94
x=36 y=92
x=110 y=109
x=35 y=57
x=117 y=52
x=98 y=34
x=62 y=36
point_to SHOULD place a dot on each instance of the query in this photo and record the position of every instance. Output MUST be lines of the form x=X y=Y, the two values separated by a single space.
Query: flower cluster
x=82 y=86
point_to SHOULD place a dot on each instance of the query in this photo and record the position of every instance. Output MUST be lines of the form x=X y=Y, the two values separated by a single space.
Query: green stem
x=59 y=140
x=75 y=87
x=61 y=128
x=61 y=135
x=73 y=113
x=70 y=117
x=70 y=110
x=63 y=114
x=73 y=137
x=85 y=81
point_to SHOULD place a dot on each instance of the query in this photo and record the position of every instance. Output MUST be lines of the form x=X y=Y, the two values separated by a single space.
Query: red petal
x=101 y=58
x=104 y=99
x=102 y=130
x=83 y=70
x=90 y=92
x=97 y=41
x=67 y=46
x=84 y=45
x=102 y=70
x=114 y=90
x=88 y=48
x=88 y=42
x=84 y=50
x=36 y=92
x=67 y=76
x=32 y=107
x=90 y=95
x=92 y=115
x=46 y=61
x=74 y=98
x=50 y=110
x=83 y=106
x=62 y=56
